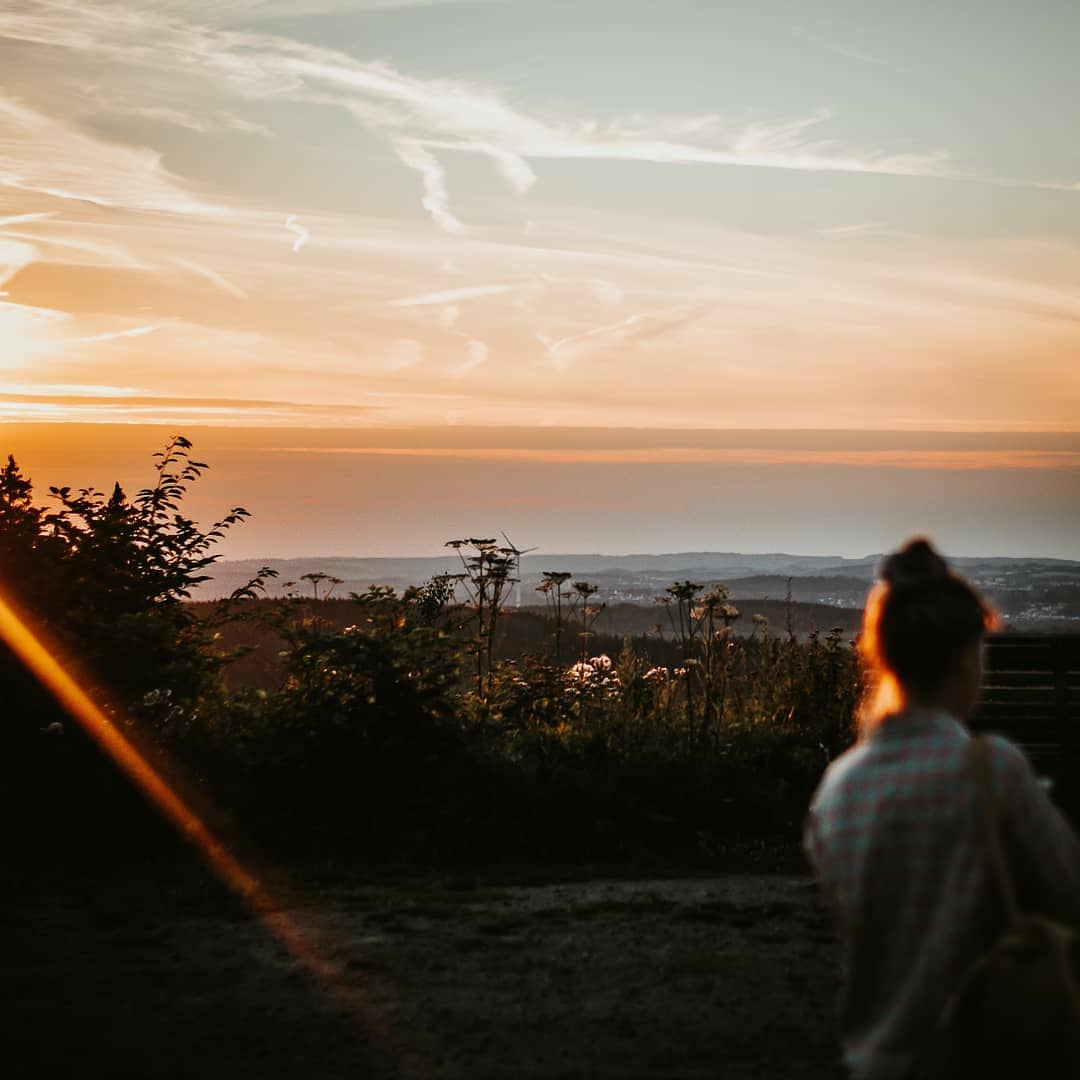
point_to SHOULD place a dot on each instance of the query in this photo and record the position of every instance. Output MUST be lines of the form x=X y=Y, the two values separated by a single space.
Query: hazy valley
x=1030 y=593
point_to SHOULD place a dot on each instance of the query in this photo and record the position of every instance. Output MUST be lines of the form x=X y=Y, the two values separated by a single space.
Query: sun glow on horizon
x=455 y=215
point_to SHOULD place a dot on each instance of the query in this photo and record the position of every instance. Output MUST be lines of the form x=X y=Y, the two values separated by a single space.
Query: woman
x=893 y=831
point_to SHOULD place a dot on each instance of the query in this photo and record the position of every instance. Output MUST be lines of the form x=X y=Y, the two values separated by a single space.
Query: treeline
x=429 y=724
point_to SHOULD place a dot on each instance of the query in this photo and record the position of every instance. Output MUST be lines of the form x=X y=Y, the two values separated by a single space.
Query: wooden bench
x=1031 y=694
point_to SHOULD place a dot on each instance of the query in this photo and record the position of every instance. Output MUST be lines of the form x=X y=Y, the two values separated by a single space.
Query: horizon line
x=646 y=555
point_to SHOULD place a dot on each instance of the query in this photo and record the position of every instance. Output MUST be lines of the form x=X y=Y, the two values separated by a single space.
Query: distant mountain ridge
x=1027 y=590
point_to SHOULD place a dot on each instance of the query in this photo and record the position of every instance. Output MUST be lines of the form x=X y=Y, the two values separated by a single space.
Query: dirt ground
x=128 y=970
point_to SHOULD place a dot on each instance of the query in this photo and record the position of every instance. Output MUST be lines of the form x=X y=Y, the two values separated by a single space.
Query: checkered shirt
x=894 y=837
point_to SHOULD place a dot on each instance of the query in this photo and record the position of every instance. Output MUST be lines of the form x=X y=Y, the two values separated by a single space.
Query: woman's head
x=922 y=632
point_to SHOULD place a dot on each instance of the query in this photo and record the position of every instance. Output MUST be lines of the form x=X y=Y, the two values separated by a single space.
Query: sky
x=612 y=276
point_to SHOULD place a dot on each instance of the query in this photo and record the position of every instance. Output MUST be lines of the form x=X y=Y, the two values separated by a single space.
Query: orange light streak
x=42 y=662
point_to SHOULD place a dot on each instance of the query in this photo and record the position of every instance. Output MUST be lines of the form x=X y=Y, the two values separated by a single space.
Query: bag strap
x=979 y=760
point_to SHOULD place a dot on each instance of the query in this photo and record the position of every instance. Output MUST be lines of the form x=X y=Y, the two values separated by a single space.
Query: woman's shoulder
x=1008 y=761
x=842 y=774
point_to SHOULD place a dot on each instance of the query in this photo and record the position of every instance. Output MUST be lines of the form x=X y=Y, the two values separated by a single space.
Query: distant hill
x=358 y=573
x=1030 y=592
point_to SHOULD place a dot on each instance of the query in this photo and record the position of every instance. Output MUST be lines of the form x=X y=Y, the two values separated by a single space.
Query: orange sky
x=406 y=491
x=369 y=215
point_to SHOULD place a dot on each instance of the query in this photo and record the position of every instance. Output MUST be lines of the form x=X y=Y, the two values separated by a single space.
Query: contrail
x=302 y=234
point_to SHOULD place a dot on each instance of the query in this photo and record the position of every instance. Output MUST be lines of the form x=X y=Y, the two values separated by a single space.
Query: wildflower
x=601 y=662
x=580 y=671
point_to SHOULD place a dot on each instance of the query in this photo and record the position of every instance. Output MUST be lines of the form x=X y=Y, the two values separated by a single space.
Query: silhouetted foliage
x=363 y=714
x=107 y=577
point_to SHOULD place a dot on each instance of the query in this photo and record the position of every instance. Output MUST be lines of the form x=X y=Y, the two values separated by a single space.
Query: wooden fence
x=1031 y=693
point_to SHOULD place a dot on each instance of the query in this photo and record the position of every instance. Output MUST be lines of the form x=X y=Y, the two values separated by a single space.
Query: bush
x=389 y=726
x=105 y=580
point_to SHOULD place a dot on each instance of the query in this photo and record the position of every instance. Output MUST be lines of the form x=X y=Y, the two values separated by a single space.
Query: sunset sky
x=410 y=271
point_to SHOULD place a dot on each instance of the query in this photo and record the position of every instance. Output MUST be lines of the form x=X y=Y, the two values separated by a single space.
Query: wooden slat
x=1018 y=716
x=1020 y=695
x=1038 y=659
x=1031 y=695
x=1067 y=645
x=1037 y=679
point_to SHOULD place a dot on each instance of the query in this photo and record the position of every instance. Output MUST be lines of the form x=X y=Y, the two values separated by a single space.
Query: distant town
x=1032 y=594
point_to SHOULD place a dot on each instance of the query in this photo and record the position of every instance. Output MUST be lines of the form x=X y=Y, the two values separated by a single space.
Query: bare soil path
x=136 y=974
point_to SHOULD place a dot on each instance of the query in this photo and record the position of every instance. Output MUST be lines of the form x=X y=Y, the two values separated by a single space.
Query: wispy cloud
x=222 y=282
x=476 y=353
x=638 y=327
x=452 y=296
x=423 y=118
x=951 y=460
x=121 y=405
x=839 y=48
x=400 y=312
x=206 y=120
x=81 y=390
x=857 y=229
x=14 y=255
x=435 y=202
x=302 y=234
x=236 y=10
x=113 y=335
x=41 y=155
x=20 y=219
x=606 y=292
x=109 y=254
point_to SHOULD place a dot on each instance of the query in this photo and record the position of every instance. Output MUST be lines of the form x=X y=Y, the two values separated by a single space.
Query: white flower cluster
x=595 y=675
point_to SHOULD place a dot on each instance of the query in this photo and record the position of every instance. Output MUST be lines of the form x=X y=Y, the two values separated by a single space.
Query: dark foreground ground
x=128 y=967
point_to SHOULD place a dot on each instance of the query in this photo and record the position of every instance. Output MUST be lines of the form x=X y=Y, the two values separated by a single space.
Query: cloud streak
x=422 y=118
x=638 y=327
x=414 y=154
x=453 y=296
x=43 y=156
x=223 y=283
x=302 y=234
x=114 y=335
x=954 y=460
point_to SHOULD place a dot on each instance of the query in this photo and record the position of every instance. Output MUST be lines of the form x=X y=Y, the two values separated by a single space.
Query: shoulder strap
x=979 y=760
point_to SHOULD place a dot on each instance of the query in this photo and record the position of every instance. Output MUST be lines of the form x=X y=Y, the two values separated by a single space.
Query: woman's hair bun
x=916 y=563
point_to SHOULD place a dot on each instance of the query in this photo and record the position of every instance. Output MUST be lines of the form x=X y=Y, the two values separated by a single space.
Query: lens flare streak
x=45 y=666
